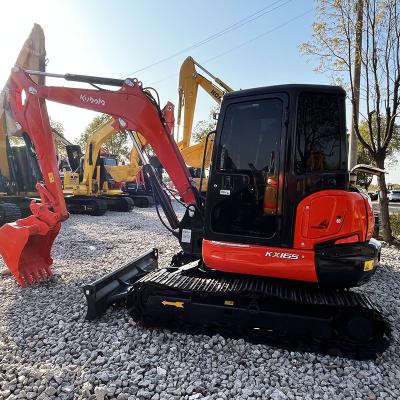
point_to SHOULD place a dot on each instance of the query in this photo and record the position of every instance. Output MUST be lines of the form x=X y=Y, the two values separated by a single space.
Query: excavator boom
x=26 y=244
x=189 y=82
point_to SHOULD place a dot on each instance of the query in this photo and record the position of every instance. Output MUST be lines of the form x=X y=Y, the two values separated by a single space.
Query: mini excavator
x=94 y=182
x=89 y=187
x=285 y=275
x=135 y=184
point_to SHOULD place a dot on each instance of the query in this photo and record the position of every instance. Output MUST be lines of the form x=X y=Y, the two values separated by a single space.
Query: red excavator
x=279 y=272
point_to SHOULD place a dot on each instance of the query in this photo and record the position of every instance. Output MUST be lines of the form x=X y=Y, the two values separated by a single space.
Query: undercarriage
x=194 y=299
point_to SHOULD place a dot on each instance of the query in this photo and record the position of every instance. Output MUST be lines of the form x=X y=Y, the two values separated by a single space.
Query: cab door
x=244 y=195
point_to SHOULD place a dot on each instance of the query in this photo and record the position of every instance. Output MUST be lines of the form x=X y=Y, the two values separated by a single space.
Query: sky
x=122 y=38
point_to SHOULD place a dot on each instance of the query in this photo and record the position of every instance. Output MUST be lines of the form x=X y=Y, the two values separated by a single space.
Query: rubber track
x=86 y=205
x=299 y=295
x=119 y=203
x=9 y=213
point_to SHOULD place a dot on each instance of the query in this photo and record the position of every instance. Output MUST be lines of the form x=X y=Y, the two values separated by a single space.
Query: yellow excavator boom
x=189 y=82
x=31 y=56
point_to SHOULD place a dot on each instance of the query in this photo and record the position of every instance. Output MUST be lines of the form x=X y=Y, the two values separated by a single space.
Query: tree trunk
x=384 y=205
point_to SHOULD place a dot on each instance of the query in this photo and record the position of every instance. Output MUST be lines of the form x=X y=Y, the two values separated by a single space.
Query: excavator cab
x=279 y=190
x=273 y=147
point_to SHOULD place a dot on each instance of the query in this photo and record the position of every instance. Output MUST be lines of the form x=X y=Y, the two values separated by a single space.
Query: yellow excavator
x=89 y=187
x=189 y=82
x=9 y=211
x=19 y=170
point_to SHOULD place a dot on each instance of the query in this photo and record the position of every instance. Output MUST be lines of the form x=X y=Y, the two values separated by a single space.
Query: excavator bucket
x=25 y=246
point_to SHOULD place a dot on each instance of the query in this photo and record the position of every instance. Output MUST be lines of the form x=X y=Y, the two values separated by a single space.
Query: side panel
x=331 y=245
x=273 y=262
x=330 y=215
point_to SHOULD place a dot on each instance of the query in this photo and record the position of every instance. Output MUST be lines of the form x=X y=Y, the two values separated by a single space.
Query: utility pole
x=356 y=86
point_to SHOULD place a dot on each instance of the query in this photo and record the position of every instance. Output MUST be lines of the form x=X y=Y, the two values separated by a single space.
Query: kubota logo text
x=92 y=100
x=286 y=256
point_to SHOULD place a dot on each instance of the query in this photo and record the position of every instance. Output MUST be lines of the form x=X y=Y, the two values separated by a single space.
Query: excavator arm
x=132 y=110
x=26 y=244
x=189 y=82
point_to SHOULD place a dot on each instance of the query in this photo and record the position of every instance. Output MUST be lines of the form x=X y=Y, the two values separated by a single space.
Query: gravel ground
x=48 y=350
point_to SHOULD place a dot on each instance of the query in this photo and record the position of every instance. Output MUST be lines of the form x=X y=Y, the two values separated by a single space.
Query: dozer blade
x=25 y=246
x=113 y=287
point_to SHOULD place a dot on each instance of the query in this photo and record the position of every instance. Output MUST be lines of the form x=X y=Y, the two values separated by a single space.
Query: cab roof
x=290 y=89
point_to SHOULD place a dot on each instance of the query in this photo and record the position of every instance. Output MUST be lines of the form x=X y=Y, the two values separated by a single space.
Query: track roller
x=86 y=205
x=142 y=201
x=119 y=203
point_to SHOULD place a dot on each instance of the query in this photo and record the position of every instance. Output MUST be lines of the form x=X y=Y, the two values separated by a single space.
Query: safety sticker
x=225 y=192
x=368 y=265
x=177 y=304
x=186 y=236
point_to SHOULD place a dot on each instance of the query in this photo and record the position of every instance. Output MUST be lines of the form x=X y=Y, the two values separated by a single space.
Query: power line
x=263 y=11
x=243 y=43
x=258 y=36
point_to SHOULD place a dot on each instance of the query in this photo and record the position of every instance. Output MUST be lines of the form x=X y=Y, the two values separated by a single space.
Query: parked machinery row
x=273 y=247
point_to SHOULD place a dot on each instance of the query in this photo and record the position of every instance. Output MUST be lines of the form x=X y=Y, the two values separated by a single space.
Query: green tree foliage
x=395 y=222
x=364 y=157
x=333 y=43
x=116 y=145
x=203 y=127
x=59 y=130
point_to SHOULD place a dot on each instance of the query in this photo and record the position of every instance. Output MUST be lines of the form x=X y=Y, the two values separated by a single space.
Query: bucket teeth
x=28 y=277
x=25 y=247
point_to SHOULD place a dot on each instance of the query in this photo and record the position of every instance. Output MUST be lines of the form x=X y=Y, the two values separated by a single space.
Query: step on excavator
x=285 y=276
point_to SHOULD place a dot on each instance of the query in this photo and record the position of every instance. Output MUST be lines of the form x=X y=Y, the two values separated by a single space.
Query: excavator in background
x=19 y=171
x=9 y=211
x=189 y=82
x=18 y=176
x=283 y=277
x=89 y=187
x=91 y=196
x=135 y=183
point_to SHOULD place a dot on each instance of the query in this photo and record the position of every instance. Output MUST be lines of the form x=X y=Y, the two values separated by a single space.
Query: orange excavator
x=282 y=277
